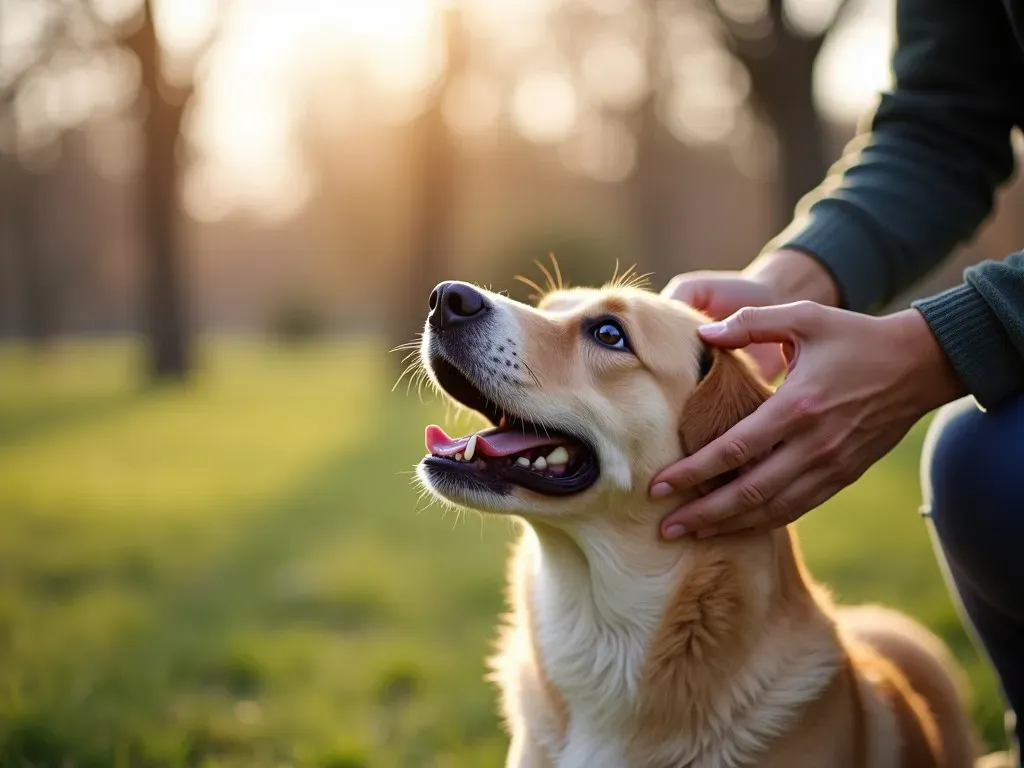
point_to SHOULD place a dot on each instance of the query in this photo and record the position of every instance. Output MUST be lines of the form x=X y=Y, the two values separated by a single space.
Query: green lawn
x=236 y=573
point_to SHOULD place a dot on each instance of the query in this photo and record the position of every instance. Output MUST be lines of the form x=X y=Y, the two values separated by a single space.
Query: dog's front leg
x=524 y=752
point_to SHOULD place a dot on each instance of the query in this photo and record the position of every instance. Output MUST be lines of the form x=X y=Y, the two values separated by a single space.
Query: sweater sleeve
x=980 y=327
x=923 y=177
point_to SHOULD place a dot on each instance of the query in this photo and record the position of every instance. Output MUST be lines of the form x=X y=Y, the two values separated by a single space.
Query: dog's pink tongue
x=491 y=442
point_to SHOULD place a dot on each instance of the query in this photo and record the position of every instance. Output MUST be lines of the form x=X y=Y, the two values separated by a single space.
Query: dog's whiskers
x=538 y=293
x=414 y=344
x=536 y=378
x=558 y=271
x=629 y=279
x=552 y=286
x=408 y=369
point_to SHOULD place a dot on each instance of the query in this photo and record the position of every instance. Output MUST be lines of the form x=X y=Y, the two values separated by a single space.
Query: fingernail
x=674 y=531
x=661 y=490
x=712 y=329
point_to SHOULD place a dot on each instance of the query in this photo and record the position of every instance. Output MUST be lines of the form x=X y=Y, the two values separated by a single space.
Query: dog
x=622 y=649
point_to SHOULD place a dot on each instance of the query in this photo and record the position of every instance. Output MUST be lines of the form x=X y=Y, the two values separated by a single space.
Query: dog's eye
x=610 y=335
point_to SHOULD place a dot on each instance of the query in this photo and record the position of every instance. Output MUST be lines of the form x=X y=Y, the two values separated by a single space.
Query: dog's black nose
x=452 y=303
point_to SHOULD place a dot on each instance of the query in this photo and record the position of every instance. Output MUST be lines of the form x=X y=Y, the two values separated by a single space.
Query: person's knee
x=946 y=462
x=972 y=467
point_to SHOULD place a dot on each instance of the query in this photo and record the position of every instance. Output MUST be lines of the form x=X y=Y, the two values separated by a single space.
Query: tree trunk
x=19 y=232
x=652 y=199
x=782 y=86
x=164 y=288
x=434 y=197
x=38 y=304
x=165 y=280
x=803 y=157
x=651 y=193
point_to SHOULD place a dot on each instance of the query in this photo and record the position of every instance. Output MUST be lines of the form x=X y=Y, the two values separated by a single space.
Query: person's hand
x=855 y=386
x=720 y=294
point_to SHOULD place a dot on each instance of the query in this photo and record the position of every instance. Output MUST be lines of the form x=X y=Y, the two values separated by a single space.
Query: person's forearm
x=922 y=180
x=794 y=276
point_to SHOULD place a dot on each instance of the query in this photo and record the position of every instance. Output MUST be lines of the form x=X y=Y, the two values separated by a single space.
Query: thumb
x=761 y=325
x=690 y=290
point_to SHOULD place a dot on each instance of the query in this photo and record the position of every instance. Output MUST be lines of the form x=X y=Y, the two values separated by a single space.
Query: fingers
x=689 y=289
x=806 y=494
x=755 y=435
x=761 y=325
x=750 y=493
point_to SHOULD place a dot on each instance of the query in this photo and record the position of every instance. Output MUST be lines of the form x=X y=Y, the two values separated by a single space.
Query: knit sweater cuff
x=848 y=253
x=975 y=342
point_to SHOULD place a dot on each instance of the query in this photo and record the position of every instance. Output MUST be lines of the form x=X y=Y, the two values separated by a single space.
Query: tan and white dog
x=622 y=649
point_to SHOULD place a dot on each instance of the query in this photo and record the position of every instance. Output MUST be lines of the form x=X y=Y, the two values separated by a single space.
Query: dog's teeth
x=471 y=448
x=541 y=463
x=558 y=456
x=458 y=457
x=522 y=461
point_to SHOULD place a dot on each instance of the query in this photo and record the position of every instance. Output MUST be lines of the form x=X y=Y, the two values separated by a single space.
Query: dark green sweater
x=923 y=179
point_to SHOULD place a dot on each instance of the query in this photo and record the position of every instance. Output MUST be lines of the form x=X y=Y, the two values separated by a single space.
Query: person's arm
x=923 y=178
x=938 y=148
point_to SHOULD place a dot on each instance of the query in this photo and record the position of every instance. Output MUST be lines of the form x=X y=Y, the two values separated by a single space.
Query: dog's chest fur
x=592 y=629
x=594 y=620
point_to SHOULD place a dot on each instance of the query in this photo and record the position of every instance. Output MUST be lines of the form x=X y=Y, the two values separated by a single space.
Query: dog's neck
x=616 y=612
x=619 y=577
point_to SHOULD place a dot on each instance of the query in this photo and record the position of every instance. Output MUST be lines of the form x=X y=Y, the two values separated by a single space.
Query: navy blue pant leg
x=973 y=481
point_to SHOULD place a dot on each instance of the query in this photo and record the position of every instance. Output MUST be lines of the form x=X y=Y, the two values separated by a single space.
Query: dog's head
x=590 y=394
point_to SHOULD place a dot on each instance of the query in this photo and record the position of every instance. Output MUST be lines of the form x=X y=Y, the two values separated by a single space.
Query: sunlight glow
x=511 y=24
x=244 y=121
x=702 y=106
x=183 y=26
x=472 y=105
x=614 y=73
x=118 y=11
x=810 y=17
x=392 y=36
x=854 y=65
x=544 y=107
x=744 y=11
x=383 y=54
x=603 y=150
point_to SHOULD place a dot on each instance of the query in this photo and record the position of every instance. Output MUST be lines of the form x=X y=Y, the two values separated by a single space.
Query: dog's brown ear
x=729 y=392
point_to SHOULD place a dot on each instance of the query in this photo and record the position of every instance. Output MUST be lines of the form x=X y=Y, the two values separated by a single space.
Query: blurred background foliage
x=216 y=217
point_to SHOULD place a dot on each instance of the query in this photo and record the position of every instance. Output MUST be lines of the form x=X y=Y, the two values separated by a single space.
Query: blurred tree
x=163 y=107
x=434 y=196
x=20 y=188
x=776 y=42
x=37 y=287
x=779 y=57
x=651 y=195
x=163 y=102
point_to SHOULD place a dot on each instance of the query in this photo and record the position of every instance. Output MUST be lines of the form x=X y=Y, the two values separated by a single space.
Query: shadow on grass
x=39 y=421
x=187 y=641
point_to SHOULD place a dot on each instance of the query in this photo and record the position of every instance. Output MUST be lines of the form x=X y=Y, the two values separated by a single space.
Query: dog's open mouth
x=515 y=451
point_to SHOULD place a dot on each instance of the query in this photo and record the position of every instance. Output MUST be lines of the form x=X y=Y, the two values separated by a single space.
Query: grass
x=234 y=573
